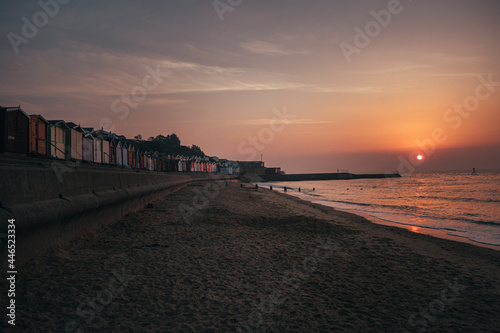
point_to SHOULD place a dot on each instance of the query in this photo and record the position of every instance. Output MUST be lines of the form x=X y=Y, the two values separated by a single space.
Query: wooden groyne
x=324 y=176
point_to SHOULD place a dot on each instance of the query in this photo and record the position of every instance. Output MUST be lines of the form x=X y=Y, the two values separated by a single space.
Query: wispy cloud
x=96 y=72
x=300 y=121
x=361 y=89
x=395 y=68
x=271 y=49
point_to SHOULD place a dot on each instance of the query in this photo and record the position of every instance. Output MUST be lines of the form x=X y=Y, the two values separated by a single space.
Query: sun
x=420 y=157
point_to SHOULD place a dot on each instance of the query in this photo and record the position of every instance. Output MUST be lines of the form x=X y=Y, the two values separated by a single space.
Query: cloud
x=301 y=121
x=361 y=89
x=395 y=68
x=261 y=47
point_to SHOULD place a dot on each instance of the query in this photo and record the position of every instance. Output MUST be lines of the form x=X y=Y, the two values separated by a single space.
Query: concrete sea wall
x=54 y=201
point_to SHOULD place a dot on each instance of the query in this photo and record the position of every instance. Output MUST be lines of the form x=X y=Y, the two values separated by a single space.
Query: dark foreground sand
x=256 y=260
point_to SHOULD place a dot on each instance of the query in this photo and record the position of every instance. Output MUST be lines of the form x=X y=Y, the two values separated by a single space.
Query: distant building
x=273 y=171
x=256 y=167
x=228 y=167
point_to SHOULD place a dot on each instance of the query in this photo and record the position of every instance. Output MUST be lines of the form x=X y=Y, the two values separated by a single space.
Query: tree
x=170 y=144
x=197 y=151
x=174 y=140
x=160 y=138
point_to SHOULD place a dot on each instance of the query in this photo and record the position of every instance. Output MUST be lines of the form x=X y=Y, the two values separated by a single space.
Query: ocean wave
x=457 y=199
x=406 y=212
x=478 y=221
x=343 y=202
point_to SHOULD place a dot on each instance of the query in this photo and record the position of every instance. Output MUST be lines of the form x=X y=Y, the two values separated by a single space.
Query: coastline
x=435 y=233
x=256 y=260
x=441 y=233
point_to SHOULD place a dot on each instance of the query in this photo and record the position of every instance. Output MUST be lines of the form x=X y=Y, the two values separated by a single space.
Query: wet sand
x=257 y=260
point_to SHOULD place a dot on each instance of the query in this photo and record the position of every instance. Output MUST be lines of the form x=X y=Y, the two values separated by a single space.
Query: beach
x=217 y=258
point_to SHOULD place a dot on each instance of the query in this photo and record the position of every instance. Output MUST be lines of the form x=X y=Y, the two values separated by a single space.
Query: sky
x=309 y=86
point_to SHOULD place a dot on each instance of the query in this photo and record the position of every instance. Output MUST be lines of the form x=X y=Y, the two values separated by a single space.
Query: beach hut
x=171 y=163
x=147 y=160
x=131 y=155
x=106 y=150
x=112 y=152
x=140 y=159
x=14 y=130
x=214 y=167
x=184 y=164
x=74 y=140
x=119 y=153
x=39 y=128
x=160 y=161
x=125 y=162
x=97 y=149
x=150 y=161
x=179 y=164
x=57 y=139
x=88 y=147
x=164 y=162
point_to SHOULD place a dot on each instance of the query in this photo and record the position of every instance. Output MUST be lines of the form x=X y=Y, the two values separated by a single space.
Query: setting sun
x=420 y=157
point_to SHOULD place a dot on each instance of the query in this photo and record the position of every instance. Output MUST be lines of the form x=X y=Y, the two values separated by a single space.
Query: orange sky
x=218 y=81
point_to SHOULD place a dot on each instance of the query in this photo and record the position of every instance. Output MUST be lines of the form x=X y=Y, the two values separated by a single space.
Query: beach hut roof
x=60 y=123
x=14 y=108
x=88 y=135
x=40 y=117
x=75 y=127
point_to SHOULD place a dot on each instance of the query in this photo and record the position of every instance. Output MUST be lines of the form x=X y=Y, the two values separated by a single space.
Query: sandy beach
x=229 y=259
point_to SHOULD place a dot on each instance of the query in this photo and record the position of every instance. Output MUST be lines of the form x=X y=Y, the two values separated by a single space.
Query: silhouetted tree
x=197 y=151
x=170 y=144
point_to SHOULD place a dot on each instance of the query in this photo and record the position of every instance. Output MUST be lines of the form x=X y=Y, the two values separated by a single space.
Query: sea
x=459 y=204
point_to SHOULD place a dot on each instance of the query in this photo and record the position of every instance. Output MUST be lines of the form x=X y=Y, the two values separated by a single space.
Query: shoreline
x=434 y=233
x=442 y=234
x=438 y=233
x=251 y=259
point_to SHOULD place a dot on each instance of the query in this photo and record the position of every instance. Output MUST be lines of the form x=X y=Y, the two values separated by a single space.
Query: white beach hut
x=88 y=147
